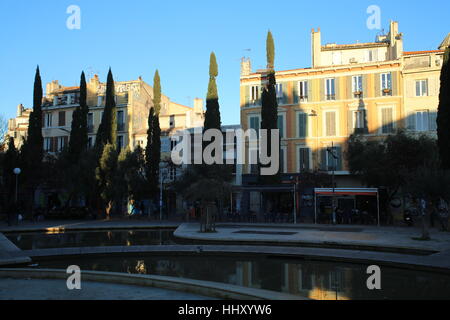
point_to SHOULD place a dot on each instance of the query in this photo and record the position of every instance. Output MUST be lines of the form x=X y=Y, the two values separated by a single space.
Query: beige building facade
x=367 y=88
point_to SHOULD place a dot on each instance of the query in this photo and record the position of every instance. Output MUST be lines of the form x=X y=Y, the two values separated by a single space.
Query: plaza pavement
x=55 y=289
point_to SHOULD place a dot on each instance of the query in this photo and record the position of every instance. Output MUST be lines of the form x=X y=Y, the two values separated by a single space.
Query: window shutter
x=433 y=119
x=285 y=92
x=394 y=86
x=322 y=89
x=377 y=84
x=337 y=86
x=304 y=159
x=411 y=122
x=331 y=123
x=295 y=91
x=309 y=90
x=302 y=125
x=349 y=87
x=323 y=159
x=350 y=122
x=338 y=161
x=364 y=86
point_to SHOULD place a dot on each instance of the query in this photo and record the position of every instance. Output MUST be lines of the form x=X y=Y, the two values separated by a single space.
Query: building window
x=387 y=121
x=372 y=55
x=303 y=158
x=90 y=144
x=302 y=125
x=61 y=143
x=120 y=121
x=281 y=125
x=99 y=101
x=357 y=86
x=90 y=122
x=358 y=119
x=283 y=166
x=172 y=121
x=62 y=119
x=254 y=123
x=332 y=158
x=254 y=94
x=421 y=88
x=48 y=120
x=330 y=89
x=303 y=91
x=120 y=142
x=422 y=121
x=330 y=123
x=386 y=84
x=47 y=144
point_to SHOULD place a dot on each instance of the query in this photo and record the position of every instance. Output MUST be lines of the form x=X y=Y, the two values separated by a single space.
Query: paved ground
x=384 y=237
x=34 y=289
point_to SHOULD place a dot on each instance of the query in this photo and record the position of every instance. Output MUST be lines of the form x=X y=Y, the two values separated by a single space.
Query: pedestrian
x=443 y=214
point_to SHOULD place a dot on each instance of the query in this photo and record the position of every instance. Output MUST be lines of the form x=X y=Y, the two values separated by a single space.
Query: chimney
x=316 y=42
x=396 y=41
x=19 y=110
x=198 y=105
x=246 y=67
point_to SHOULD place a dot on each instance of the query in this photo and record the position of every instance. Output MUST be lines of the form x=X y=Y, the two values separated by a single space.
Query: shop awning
x=346 y=191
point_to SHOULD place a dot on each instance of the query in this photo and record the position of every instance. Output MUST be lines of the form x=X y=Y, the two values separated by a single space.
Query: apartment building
x=370 y=88
x=133 y=101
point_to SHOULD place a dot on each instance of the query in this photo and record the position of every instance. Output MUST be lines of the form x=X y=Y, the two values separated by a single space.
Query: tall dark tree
x=107 y=131
x=79 y=131
x=32 y=149
x=153 y=149
x=212 y=115
x=269 y=104
x=10 y=162
x=443 y=118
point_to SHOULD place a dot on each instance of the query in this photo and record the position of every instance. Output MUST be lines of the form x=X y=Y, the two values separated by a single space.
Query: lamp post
x=17 y=171
x=333 y=200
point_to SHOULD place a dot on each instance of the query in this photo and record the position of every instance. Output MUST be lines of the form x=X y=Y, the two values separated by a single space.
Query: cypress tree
x=10 y=162
x=107 y=131
x=270 y=51
x=32 y=151
x=79 y=133
x=153 y=149
x=269 y=104
x=443 y=118
x=212 y=115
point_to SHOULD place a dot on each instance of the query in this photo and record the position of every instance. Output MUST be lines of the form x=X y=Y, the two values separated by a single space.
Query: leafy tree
x=443 y=118
x=389 y=163
x=130 y=174
x=106 y=177
x=107 y=131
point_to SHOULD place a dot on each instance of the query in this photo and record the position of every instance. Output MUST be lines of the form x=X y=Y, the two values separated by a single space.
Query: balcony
x=330 y=97
x=387 y=92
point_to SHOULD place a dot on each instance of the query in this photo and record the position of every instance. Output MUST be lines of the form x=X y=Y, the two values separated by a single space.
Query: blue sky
x=136 y=37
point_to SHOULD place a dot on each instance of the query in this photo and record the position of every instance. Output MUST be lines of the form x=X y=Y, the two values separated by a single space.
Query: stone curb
x=200 y=287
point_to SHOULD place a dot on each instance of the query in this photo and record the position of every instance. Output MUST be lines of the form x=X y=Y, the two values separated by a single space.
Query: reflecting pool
x=313 y=279
x=29 y=241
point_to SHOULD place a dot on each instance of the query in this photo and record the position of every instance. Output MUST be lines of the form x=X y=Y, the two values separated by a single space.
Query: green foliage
x=153 y=153
x=157 y=93
x=32 y=149
x=107 y=131
x=9 y=163
x=443 y=118
x=212 y=115
x=130 y=174
x=269 y=120
x=79 y=132
x=389 y=163
x=270 y=51
x=106 y=174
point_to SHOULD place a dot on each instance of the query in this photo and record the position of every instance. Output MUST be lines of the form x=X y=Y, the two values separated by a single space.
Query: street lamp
x=17 y=171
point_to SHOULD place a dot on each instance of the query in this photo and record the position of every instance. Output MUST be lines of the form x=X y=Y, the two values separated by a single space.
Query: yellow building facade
x=362 y=88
